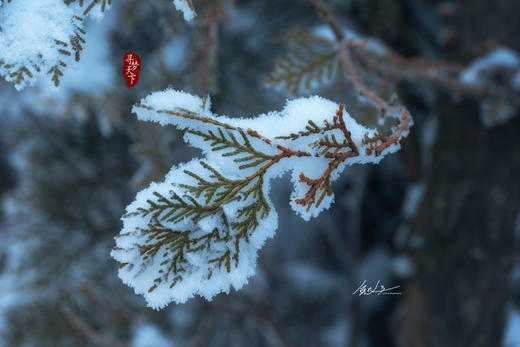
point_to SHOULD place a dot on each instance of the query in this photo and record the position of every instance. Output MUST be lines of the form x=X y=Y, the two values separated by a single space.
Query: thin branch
x=189 y=115
x=405 y=118
x=398 y=68
x=339 y=122
x=320 y=183
x=89 y=332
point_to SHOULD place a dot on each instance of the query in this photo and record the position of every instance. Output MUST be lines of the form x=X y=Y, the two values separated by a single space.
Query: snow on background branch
x=186 y=7
x=499 y=68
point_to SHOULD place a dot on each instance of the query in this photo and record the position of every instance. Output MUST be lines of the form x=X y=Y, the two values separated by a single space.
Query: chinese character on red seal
x=131 y=67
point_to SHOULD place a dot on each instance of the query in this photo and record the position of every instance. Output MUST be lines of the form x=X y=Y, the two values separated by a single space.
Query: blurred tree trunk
x=459 y=292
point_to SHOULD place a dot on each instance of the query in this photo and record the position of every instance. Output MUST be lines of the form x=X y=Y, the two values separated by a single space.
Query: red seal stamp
x=131 y=67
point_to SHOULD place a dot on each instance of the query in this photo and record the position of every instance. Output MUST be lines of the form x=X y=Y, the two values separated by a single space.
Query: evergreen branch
x=208 y=193
x=309 y=60
x=221 y=142
x=205 y=241
x=158 y=237
x=174 y=209
x=339 y=123
x=217 y=190
x=249 y=213
x=311 y=129
x=176 y=245
x=56 y=73
x=225 y=190
x=315 y=185
x=21 y=72
x=386 y=108
x=327 y=143
x=372 y=142
x=225 y=259
x=346 y=51
x=194 y=116
x=94 y=2
x=255 y=134
x=322 y=183
x=77 y=39
x=91 y=5
x=211 y=189
x=187 y=114
x=63 y=50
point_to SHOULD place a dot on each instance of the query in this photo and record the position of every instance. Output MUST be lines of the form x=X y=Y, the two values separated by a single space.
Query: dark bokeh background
x=440 y=218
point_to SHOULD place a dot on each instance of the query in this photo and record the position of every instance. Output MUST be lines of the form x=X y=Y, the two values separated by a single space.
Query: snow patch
x=186 y=8
x=50 y=20
x=501 y=57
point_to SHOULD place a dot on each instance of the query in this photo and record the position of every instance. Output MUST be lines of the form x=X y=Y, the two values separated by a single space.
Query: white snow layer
x=500 y=70
x=29 y=30
x=372 y=45
x=95 y=73
x=292 y=119
x=186 y=8
x=501 y=57
x=29 y=34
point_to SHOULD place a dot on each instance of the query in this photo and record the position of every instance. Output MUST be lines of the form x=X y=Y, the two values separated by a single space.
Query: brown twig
x=287 y=152
x=323 y=182
x=386 y=108
x=190 y=5
x=346 y=58
x=339 y=122
x=255 y=133
x=395 y=67
x=89 y=332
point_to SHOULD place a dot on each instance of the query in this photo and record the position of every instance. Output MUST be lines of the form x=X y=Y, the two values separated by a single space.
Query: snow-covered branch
x=53 y=40
x=198 y=232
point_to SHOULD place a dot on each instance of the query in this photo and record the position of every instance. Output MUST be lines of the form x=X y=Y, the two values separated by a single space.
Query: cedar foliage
x=23 y=72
